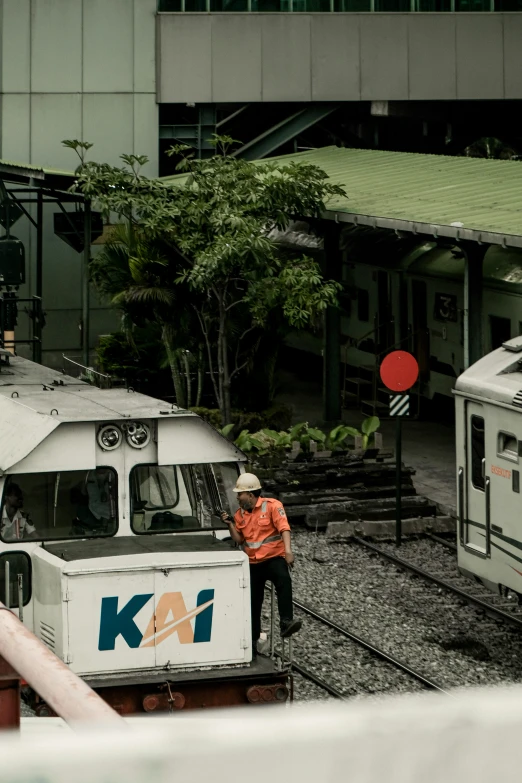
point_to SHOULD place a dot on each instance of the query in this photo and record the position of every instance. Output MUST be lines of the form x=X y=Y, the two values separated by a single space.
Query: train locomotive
x=112 y=550
x=488 y=402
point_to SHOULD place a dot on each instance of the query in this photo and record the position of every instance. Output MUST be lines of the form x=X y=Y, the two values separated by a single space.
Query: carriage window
x=363 y=305
x=181 y=498
x=478 y=452
x=507 y=446
x=63 y=505
x=12 y=566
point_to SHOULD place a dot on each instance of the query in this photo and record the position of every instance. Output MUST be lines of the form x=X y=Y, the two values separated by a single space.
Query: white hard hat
x=247 y=482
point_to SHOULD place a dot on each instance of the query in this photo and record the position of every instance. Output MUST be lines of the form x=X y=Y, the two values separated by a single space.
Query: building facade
x=280 y=75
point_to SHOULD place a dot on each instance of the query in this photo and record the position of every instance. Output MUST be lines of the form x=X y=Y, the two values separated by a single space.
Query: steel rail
x=470 y=599
x=308 y=675
x=439 y=540
x=369 y=646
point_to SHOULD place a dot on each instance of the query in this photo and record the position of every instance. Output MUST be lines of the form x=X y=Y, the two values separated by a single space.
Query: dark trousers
x=273 y=570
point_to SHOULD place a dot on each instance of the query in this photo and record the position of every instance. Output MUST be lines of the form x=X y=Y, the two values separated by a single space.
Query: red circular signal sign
x=399 y=371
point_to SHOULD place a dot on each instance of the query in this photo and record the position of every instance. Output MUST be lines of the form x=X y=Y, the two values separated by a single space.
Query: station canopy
x=437 y=195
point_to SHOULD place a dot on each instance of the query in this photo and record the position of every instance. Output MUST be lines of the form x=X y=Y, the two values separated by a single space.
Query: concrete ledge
x=386 y=529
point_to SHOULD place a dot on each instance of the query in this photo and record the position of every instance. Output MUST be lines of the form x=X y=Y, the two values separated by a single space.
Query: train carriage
x=112 y=550
x=488 y=411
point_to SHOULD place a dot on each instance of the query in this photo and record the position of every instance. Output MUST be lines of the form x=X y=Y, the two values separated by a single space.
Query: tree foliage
x=200 y=243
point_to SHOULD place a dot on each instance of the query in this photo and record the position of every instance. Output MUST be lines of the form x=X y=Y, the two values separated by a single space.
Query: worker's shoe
x=289 y=627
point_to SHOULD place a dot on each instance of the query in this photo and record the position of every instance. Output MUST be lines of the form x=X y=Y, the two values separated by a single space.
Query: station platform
x=427 y=446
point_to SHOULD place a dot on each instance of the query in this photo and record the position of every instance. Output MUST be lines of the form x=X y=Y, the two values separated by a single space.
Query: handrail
x=399 y=342
x=358 y=340
x=69 y=696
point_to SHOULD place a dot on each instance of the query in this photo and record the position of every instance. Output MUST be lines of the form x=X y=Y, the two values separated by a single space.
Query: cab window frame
x=17 y=478
x=4 y=554
x=213 y=528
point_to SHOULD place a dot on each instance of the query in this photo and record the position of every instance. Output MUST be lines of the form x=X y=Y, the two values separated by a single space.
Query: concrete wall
x=80 y=69
x=210 y=58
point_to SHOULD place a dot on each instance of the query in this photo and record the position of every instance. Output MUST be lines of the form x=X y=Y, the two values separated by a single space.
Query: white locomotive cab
x=110 y=507
x=489 y=452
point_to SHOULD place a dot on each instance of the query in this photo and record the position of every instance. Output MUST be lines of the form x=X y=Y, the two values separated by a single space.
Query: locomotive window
x=19 y=563
x=187 y=497
x=478 y=452
x=59 y=505
x=507 y=446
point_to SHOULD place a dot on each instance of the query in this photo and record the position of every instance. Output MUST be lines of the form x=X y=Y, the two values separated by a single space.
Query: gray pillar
x=473 y=315
x=332 y=329
x=85 y=283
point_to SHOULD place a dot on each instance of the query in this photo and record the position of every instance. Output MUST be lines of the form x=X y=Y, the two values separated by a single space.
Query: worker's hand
x=225 y=516
x=289 y=557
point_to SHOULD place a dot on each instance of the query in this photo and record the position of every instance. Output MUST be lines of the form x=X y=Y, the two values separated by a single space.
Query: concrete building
x=135 y=75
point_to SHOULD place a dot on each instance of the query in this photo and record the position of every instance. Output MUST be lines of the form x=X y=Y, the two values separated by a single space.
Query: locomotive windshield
x=178 y=498
x=66 y=504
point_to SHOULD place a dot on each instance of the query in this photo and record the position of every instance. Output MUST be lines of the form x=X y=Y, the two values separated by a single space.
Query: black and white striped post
x=399 y=372
x=399 y=407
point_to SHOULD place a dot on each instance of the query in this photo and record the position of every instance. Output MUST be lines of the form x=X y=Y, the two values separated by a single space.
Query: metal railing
x=88 y=374
x=9 y=312
x=338 y=6
x=23 y=655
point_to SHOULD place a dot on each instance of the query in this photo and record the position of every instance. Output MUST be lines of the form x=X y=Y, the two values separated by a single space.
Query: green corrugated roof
x=29 y=170
x=423 y=193
x=484 y=195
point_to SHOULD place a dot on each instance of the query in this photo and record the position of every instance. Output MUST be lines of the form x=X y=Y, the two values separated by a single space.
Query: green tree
x=215 y=218
x=136 y=274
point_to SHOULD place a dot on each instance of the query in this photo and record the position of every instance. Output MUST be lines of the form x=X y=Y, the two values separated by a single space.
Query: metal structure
x=42 y=187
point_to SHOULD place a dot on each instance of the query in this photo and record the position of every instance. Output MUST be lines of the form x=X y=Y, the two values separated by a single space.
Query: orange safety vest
x=261 y=529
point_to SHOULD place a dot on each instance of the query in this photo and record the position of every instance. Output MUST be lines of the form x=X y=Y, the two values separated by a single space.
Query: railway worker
x=15 y=525
x=260 y=526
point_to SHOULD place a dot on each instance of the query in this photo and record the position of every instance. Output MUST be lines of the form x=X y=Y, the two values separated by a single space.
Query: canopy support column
x=332 y=329
x=473 y=317
x=85 y=283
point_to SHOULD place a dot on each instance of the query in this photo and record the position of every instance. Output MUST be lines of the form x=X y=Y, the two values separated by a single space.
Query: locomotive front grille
x=517 y=399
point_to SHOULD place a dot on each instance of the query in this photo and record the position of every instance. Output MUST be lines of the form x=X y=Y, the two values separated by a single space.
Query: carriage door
x=476 y=521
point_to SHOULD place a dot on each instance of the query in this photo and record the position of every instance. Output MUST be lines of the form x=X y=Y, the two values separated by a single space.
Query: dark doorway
x=421 y=335
x=499 y=330
x=385 y=337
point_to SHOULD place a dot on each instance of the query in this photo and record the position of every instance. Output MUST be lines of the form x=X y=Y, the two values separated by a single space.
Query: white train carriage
x=111 y=546
x=488 y=399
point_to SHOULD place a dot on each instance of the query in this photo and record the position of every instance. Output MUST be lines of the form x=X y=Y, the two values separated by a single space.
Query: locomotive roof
x=496 y=377
x=35 y=401
x=51 y=393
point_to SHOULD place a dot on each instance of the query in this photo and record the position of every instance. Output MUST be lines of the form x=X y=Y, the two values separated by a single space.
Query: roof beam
x=458 y=233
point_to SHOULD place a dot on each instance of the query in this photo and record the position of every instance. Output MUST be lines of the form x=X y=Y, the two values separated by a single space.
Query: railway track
x=367 y=645
x=483 y=600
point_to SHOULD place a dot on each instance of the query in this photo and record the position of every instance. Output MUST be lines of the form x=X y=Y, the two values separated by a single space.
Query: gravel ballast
x=431 y=630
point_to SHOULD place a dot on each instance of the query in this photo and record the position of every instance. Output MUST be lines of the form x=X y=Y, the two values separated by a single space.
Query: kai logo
x=171 y=616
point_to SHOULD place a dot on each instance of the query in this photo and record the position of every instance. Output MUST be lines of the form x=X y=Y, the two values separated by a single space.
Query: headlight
x=137 y=434
x=109 y=437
